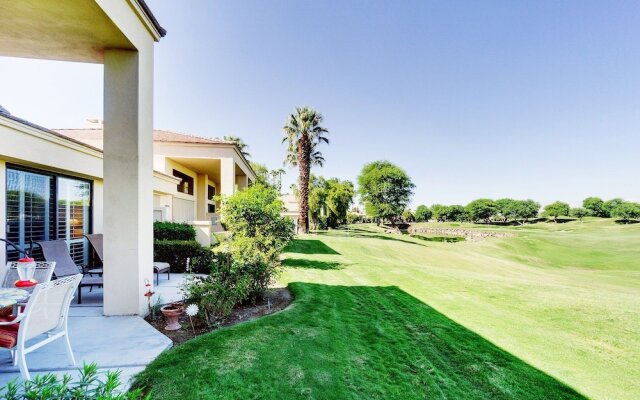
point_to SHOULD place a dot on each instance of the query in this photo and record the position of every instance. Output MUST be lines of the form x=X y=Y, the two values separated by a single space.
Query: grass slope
x=386 y=316
x=341 y=342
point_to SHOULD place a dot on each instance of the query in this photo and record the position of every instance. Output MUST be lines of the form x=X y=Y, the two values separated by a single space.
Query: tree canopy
x=595 y=206
x=481 y=210
x=556 y=210
x=329 y=201
x=385 y=190
x=423 y=213
x=626 y=211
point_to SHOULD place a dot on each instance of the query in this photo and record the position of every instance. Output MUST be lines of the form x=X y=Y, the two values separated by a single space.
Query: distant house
x=291 y=208
x=51 y=182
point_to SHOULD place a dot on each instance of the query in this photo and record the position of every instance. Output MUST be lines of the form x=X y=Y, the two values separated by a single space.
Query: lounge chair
x=46 y=314
x=58 y=251
x=96 y=241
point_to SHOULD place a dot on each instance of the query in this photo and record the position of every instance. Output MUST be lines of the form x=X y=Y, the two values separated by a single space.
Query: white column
x=227 y=176
x=3 y=211
x=128 y=179
x=201 y=197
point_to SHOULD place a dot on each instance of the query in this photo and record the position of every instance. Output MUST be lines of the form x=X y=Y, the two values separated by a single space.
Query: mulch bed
x=276 y=299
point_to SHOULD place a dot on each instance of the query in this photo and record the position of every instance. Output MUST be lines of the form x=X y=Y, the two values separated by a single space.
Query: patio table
x=12 y=296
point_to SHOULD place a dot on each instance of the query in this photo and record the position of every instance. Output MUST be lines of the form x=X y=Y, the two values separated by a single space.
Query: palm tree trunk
x=304 y=164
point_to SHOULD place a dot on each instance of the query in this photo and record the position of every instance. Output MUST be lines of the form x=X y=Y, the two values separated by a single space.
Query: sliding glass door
x=30 y=211
x=43 y=206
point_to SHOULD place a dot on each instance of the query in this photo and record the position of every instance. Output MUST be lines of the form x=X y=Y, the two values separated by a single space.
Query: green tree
x=407 y=215
x=242 y=146
x=522 y=210
x=556 y=210
x=260 y=234
x=385 y=189
x=595 y=206
x=481 y=210
x=439 y=212
x=505 y=208
x=339 y=198
x=579 y=212
x=611 y=205
x=423 y=213
x=262 y=173
x=329 y=201
x=303 y=133
x=626 y=211
x=455 y=213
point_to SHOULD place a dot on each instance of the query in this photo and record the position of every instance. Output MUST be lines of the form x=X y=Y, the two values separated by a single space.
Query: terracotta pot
x=172 y=313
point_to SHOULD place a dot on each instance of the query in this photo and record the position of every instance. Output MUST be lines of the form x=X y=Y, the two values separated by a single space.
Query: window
x=43 y=206
x=186 y=182
x=74 y=198
x=211 y=208
x=211 y=192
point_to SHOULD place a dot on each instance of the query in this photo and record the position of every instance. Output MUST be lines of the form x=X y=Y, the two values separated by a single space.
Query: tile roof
x=94 y=137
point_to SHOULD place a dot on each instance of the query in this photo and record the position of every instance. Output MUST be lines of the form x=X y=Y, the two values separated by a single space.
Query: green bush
x=259 y=234
x=176 y=253
x=87 y=387
x=173 y=231
x=217 y=293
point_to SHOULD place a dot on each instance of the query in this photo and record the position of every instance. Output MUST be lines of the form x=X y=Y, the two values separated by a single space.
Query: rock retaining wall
x=469 y=234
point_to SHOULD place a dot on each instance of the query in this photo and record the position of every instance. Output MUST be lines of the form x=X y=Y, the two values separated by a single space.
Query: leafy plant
x=259 y=234
x=177 y=252
x=173 y=231
x=89 y=386
x=217 y=293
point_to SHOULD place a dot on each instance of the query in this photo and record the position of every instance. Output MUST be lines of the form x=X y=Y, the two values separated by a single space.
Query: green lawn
x=537 y=316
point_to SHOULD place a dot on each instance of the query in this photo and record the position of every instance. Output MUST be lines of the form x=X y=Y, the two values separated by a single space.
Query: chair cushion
x=161 y=266
x=12 y=327
x=8 y=337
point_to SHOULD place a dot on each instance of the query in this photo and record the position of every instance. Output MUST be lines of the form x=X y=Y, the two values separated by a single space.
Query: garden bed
x=276 y=299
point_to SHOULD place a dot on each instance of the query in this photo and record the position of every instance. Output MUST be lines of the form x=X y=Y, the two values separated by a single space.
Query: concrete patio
x=125 y=343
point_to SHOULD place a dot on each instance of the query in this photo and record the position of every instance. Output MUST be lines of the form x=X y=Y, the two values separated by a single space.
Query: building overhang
x=72 y=30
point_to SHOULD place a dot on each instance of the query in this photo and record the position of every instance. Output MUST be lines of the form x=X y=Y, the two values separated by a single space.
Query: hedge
x=176 y=253
x=173 y=231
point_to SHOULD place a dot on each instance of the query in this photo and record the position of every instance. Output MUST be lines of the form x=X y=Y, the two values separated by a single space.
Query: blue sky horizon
x=473 y=99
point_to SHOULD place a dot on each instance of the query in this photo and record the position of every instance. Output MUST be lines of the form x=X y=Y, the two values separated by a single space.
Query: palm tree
x=242 y=146
x=303 y=134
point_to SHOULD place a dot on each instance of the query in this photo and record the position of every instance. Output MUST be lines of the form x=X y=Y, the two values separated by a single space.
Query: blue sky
x=473 y=99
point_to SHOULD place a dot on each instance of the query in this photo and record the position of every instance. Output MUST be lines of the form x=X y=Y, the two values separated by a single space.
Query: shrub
x=259 y=234
x=173 y=231
x=176 y=253
x=217 y=293
x=88 y=387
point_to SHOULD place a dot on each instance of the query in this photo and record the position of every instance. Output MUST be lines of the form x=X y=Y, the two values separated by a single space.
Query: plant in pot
x=172 y=313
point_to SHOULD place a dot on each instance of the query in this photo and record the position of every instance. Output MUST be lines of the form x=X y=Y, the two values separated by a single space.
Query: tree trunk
x=304 y=165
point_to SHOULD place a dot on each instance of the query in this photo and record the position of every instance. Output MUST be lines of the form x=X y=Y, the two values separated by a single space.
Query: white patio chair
x=46 y=313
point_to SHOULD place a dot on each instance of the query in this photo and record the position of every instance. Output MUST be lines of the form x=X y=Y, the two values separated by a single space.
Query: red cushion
x=8 y=337
x=12 y=327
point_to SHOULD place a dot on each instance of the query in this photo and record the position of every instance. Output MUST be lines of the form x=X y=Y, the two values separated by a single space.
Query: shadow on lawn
x=311 y=264
x=364 y=342
x=309 y=247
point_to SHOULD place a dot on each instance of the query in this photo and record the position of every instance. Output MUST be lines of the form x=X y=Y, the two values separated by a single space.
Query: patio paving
x=126 y=343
